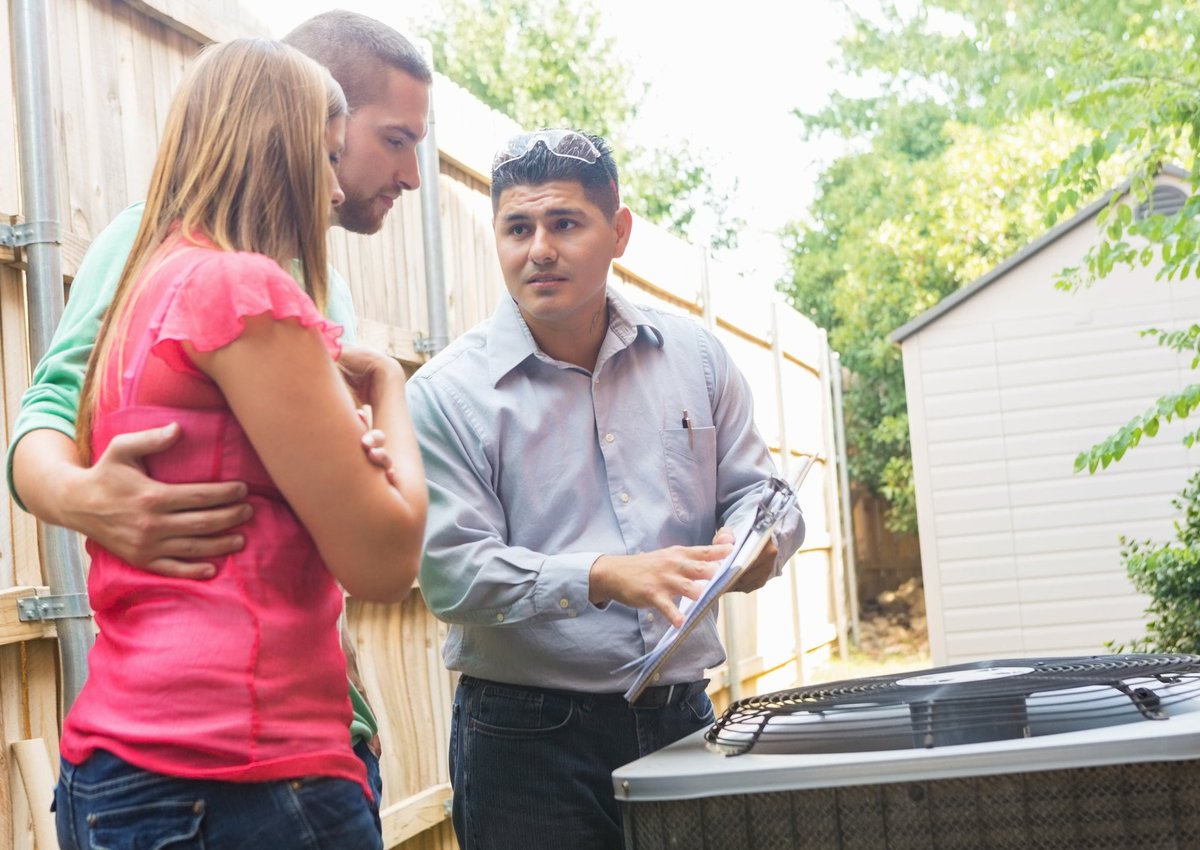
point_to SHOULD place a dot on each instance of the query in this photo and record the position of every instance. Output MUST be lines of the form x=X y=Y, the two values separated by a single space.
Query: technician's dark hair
x=357 y=50
x=540 y=165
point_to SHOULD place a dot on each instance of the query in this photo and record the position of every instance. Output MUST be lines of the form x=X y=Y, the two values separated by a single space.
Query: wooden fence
x=113 y=65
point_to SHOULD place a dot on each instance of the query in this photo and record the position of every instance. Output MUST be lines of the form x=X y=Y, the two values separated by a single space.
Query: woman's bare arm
x=299 y=414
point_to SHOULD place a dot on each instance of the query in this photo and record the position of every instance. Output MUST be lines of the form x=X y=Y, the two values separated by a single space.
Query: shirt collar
x=510 y=342
x=628 y=321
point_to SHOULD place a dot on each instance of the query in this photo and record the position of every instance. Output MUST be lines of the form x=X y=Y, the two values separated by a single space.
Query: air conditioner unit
x=1014 y=754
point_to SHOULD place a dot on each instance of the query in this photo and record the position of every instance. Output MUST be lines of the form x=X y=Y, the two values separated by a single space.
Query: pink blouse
x=241 y=677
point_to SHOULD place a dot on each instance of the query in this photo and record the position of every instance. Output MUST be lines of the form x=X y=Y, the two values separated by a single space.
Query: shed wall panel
x=1010 y=385
x=960 y=571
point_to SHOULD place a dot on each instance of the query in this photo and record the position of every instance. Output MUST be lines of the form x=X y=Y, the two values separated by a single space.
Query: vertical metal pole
x=733 y=662
x=44 y=287
x=431 y=230
x=35 y=136
x=839 y=431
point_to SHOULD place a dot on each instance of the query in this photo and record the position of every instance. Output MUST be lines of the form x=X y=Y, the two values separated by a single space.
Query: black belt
x=659 y=696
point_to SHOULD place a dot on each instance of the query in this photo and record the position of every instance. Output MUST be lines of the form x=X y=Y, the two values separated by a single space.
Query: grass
x=860 y=665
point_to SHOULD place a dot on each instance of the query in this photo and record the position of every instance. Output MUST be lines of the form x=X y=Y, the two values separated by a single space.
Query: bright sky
x=726 y=77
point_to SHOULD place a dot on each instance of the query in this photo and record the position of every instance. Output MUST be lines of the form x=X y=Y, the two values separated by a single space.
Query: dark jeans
x=108 y=804
x=533 y=768
x=374 y=778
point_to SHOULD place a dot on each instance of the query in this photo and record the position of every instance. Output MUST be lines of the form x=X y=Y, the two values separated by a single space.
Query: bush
x=1169 y=573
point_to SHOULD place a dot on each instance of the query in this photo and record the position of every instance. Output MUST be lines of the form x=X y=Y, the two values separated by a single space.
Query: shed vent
x=1164 y=200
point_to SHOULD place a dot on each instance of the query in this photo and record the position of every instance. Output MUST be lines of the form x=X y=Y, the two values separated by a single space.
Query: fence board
x=133 y=53
x=203 y=20
x=37 y=781
x=19 y=536
x=410 y=692
x=14 y=726
x=105 y=133
x=9 y=180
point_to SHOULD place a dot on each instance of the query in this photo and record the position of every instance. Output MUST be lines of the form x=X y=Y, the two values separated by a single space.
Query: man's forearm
x=45 y=466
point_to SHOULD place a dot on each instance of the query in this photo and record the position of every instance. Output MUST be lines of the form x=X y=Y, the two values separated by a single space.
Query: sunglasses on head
x=567 y=143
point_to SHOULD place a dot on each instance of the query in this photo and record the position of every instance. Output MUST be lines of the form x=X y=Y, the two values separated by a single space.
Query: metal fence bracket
x=66 y=606
x=29 y=233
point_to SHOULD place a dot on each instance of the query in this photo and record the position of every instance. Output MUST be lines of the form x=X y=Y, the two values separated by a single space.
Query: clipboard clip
x=770 y=503
x=778 y=495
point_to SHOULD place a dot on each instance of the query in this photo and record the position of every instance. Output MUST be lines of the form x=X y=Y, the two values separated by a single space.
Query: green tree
x=929 y=207
x=1033 y=109
x=547 y=63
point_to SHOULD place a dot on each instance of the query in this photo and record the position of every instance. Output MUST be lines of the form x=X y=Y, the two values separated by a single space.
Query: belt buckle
x=658 y=697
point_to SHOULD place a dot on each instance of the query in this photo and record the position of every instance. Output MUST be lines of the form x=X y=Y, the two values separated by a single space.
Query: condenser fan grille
x=965 y=703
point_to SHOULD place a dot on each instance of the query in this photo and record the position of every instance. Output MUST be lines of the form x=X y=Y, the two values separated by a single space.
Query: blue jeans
x=108 y=804
x=533 y=768
x=374 y=777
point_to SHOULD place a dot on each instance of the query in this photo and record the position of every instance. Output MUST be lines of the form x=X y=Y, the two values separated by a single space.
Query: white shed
x=1007 y=381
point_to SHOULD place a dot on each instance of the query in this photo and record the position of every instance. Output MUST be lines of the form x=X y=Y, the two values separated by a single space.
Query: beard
x=359 y=215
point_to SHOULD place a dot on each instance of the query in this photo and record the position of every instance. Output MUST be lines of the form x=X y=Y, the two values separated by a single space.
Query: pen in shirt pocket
x=687 y=423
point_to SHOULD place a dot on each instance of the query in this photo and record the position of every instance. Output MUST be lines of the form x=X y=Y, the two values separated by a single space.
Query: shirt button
x=562 y=603
x=650 y=617
x=625 y=498
x=608 y=438
x=657 y=676
x=499 y=618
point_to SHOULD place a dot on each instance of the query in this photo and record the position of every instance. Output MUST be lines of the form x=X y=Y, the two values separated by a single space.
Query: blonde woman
x=215 y=713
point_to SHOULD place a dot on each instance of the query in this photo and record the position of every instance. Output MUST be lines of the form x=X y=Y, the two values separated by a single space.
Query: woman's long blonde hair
x=241 y=164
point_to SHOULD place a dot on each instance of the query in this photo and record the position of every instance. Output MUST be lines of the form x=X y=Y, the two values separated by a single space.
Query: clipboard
x=751 y=536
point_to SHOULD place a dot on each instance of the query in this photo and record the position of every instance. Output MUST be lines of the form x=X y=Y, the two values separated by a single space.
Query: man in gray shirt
x=585 y=458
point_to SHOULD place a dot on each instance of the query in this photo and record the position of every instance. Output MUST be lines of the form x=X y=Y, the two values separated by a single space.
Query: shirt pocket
x=690 y=458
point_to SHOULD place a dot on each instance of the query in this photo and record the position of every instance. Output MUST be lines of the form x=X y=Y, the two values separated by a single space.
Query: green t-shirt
x=52 y=400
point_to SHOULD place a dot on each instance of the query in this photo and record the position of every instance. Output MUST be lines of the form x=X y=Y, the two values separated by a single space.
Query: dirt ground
x=893 y=637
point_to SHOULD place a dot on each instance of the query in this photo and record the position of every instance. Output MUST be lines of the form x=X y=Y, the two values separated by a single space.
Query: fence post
x=847 y=504
x=733 y=658
x=785 y=463
x=837 y=570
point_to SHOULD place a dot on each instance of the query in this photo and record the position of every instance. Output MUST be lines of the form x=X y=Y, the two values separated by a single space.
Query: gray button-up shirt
x=537 y=467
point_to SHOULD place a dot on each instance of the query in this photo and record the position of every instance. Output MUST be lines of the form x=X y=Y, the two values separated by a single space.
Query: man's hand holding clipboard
x=746 y=568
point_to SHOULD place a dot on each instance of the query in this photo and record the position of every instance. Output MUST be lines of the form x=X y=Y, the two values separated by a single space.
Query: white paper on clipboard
x=750 y=536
